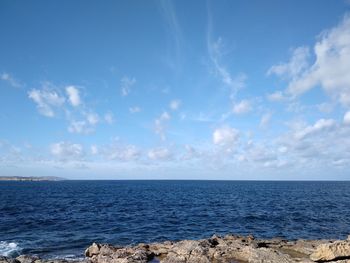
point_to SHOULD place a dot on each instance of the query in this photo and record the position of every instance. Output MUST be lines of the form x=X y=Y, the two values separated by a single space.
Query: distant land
x=31 y=178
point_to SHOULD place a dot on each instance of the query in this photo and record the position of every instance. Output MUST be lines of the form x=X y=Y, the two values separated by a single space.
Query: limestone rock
x=92 y=250
x=27 y=259
x=8 y=260
x=332 y=251
x=217 y=249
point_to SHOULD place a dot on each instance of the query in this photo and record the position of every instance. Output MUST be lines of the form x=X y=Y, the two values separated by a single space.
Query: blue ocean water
x=60 y=219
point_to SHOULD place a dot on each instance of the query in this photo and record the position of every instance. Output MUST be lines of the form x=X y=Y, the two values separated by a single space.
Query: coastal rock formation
x=217 y=249
x=332 y=251
x=107 y=253
x=227 y=249
x=8 y=260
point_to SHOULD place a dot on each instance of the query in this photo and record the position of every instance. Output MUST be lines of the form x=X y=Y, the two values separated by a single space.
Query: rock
x=109 y=254
x=305 y=247
x=188 y=251
x=160 y=248
x=332 y=251
x=266 y=255
x=92 y=250
x=27 y=259
x=217 y=249
x=8 y=260
x=34 y=259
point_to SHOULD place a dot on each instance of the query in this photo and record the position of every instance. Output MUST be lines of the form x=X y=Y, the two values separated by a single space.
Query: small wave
x=9 y=249
x=70 y=257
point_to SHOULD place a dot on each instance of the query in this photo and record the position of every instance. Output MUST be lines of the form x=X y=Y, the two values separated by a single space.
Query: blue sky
x=175 y=89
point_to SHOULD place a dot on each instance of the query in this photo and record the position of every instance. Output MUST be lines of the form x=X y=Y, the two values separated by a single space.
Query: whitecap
x=9 y=249
x=69 y=257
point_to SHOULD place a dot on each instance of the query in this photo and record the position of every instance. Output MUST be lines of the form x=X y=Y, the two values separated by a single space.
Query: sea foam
x=9 y=249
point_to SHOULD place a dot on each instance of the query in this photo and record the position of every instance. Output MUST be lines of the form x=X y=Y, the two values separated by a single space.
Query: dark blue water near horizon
x=60 y=219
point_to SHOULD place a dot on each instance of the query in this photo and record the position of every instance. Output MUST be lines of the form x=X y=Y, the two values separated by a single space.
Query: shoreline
x=216 y=249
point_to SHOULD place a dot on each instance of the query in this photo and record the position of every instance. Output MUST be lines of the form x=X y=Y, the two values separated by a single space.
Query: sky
x=231 y=90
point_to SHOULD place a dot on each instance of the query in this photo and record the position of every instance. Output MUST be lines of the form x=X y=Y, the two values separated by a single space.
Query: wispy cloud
x=276 y=96
x=168 y=12
x=175 y=105
x=265 y=119
x=216 y=53
x=160 y=124
x=8 y=78
x=297 y=64
x=134 y=109
x=319 y=126
x=92 y=118
x=109 y=118
x=244 y=106
x=201 y=117
x=126 y=85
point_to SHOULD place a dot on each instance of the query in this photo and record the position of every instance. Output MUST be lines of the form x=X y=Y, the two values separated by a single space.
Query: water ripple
x=63 y=218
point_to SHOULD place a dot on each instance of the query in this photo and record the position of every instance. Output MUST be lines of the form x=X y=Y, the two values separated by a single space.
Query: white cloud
x=49 y=102
x=123 y=153
x=73 y=96
x=297 y=64
x=165 y=116
x=265 y=119
x=85 y=126
x=131 y=152
x=79 y=127
x=215 y=53
x=159 y=154
x=318 y=146
x=282 y=149
x=168 y=11
x=191 y=153
x=126 y=85
x=10 y=80
x=237 y=83
x=160 y=124
x=347 y=118
x=325 y=107
x=46 y=101
x=225 y=136
x=215 y=50
x=259 y=153
x=109 y=118
x=135 y=109
x=242 y=107
x=94 y=149
x=175 y=104
x=330 y=70
x=276 y=96
x=92 y=118
x=201 y=117
x=67 y=151
x=319 y=126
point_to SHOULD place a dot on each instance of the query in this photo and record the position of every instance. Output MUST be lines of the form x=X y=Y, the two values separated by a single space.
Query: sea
x=61 y=219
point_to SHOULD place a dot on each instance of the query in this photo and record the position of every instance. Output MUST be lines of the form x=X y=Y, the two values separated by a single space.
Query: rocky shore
x=217 y=249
